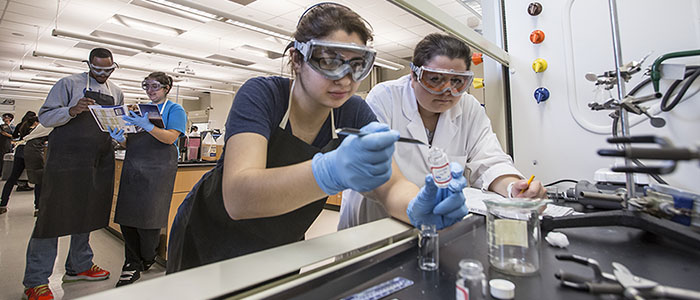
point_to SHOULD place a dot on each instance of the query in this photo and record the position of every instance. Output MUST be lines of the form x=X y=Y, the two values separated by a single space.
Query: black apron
x=146 y=184
x=77 y=191
x=203 y=233
x=34 y=154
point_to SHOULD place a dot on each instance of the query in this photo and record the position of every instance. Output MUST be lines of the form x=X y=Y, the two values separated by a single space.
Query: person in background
x=194 y=131
x=78 y=181
x=17 y=134
x=148 y=177
x=35 y=157
x=28 y=124
x=283 y=157
x=432 y=105
x=5 y=145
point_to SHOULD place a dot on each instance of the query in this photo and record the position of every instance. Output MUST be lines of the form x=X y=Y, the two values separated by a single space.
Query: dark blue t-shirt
x=261 y=102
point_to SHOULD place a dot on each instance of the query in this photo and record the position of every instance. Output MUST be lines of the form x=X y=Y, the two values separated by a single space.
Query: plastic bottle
x=209 y=148
x=219 y=146
x=439 y=167
x=471 y=280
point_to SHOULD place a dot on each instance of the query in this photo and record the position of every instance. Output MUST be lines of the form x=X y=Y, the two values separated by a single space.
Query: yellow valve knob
x=539 y=65
x=478 y=83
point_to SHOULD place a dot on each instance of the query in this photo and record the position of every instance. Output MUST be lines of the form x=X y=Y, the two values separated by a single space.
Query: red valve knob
x=537 y=36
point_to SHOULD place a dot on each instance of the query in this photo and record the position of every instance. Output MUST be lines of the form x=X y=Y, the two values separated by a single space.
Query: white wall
x=220 y=104
x=22 y=106
x=559 y=138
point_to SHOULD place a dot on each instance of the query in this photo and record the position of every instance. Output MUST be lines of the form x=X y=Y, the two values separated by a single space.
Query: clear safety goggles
x=151 y=85
x=102 y=71
x=335 y=60
x=439 y=81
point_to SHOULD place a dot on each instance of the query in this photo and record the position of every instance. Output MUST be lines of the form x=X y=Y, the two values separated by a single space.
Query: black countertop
x=652 y=257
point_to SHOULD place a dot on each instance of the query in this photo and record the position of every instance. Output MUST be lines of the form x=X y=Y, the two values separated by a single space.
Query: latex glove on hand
x=441 y=207
x=360 y=163
x=535 y=190
x=117 y=135
x=142 y=122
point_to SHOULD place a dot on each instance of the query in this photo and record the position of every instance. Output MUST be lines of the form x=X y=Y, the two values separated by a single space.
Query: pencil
x=528 y=184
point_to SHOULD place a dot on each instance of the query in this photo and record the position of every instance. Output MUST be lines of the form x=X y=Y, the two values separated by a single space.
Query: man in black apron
x=78 y=181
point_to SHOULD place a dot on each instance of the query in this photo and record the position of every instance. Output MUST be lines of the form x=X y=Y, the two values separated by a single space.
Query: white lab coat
x=463 y=132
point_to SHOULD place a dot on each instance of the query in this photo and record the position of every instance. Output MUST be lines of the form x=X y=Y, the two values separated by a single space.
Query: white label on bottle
x=462 y=292
x=441 y=174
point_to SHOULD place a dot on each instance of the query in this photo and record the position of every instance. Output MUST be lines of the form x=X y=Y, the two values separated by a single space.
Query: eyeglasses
x=439 y=81
x=103 y=71
x=328 y=59
x=151 y=85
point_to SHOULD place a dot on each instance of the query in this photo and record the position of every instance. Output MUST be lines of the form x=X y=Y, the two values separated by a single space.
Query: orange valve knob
x=539 y=65
x=477 y=58
x=537 y=36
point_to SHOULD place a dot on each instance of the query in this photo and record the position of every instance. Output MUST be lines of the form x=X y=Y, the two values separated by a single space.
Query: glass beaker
x=513 y=227
x=428 y=248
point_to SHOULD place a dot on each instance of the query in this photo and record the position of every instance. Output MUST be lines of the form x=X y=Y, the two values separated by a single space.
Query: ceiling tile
x=275 y=7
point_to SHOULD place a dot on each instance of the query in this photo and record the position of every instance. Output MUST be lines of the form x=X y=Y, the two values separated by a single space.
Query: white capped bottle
x=439 y=167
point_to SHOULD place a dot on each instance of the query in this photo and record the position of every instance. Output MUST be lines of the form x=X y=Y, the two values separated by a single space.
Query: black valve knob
x=534 y=9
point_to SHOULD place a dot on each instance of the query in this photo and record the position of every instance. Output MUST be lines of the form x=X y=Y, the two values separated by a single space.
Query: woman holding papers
x=432 y=105
x=148 y=177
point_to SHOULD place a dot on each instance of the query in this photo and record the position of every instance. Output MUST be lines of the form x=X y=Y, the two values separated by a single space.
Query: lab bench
x=389 y=250
x=187 y=176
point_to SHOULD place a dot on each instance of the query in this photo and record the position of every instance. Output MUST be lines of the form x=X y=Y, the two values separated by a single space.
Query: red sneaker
x=39 y=292
x=92 y=274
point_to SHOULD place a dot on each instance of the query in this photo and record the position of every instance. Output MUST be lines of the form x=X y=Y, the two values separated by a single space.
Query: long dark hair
x=26 y=126
x=436 y=44
x=22 y=129
x=323 y=19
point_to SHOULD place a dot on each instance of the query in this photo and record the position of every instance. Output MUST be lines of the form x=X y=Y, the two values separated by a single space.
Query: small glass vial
x=439 y=167
x=471 y=280
x=428 y=248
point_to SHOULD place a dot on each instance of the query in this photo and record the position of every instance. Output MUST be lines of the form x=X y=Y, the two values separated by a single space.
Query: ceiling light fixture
x=213 y=14
x=387 y=64
x=208 y=12
x=136 y=68
x=145 y=26
x=84 y=37
x=116 y=78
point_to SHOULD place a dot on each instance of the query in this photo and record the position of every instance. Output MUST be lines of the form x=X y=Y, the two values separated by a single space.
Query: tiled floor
x=16 y=227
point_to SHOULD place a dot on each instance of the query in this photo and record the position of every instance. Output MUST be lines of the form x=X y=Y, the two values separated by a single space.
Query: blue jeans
x=41 y=256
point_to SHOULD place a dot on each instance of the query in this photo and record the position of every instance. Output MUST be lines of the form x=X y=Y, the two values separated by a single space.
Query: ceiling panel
x=396 y=33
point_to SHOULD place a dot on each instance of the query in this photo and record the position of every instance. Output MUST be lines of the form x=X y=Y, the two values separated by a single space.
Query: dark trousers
x=17 y=169
x=140 y=245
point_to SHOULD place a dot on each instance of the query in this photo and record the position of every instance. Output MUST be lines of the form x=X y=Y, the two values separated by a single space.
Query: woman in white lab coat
x=431 y=105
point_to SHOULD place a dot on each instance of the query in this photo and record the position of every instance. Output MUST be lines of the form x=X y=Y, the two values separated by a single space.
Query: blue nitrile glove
x=117 y=135
x=360 y=163
x=451 y=202
x=439 y=206
x=420 y=209
x=142 y=122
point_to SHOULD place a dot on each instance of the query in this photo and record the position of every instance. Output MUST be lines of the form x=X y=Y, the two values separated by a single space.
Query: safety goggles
x=439 y=81
x=102 y=71
x=335 y=60
x=151 y=85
